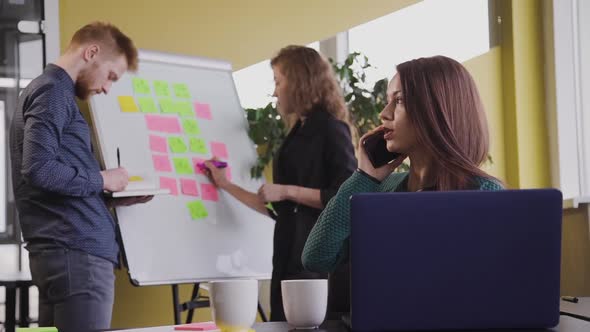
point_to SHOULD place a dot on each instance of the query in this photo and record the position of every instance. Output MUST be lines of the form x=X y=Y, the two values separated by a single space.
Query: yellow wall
x=487 y=73
x=243 y=32
x=526 y=140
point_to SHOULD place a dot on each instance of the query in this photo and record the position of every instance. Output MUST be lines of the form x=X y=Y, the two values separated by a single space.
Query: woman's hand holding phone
x=365 y=164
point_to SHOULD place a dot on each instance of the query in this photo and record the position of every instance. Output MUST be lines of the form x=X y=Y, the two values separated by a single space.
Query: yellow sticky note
x=135 y=178
x=127 y=104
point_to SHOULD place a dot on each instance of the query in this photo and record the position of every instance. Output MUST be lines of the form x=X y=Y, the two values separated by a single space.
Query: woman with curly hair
x=315 y=158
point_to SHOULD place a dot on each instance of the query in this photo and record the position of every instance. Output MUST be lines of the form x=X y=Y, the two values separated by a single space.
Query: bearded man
x=59 y=186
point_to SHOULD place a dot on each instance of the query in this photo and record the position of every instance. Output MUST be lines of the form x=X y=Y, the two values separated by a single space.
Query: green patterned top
x=327 y=243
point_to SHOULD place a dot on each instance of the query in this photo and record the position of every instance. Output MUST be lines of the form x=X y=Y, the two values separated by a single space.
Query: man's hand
x=127 y=201
x=115 y=179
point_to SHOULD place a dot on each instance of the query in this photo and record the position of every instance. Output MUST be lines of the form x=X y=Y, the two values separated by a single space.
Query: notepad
x=141 y=192
x=142 y=184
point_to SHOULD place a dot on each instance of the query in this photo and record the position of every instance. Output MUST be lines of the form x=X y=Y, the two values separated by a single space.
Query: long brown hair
x=444 y=106
x=311 y=82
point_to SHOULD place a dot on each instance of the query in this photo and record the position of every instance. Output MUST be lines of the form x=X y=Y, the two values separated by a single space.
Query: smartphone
x=376 y=148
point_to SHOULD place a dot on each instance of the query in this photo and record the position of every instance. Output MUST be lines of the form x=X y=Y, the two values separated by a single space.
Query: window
x=455 y=28
x=569 y=125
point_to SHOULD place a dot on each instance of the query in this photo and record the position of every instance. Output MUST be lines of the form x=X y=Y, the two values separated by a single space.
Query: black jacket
x=315 y=154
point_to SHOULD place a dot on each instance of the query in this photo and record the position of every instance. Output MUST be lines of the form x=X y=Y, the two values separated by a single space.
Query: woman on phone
x=315 y=158
x=434 y=117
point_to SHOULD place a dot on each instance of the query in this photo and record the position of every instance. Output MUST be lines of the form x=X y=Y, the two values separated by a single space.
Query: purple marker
x=216 y=163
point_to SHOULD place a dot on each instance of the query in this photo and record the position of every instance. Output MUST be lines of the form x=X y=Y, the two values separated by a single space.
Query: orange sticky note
x=127 y=104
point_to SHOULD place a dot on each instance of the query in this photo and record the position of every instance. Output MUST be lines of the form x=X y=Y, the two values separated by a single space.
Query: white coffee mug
x=234 y=304
x=305 y=302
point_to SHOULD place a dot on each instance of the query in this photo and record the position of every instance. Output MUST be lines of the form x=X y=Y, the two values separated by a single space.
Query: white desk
x=579 y=310
x=566 y=324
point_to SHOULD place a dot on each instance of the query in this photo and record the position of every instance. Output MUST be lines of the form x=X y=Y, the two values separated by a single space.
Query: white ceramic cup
x=305 y=302
x=234 y=303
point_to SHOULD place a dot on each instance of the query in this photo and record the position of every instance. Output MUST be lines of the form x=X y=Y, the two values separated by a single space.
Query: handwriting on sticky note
x=197 y=145
x=127 y=104
x=181 y=90
x=167 y=106
x=169 y=183
x=182 y=166
x=197 y=161
x=163 y=123
x=189 y=187
x=141 y=86
x=158 y=144
x=197 y=210
x=183 y=108
x=147 y=105
x=191 y=126
x=203 y=111
x=177 y=144
x=161 y=163
x=219 y=150
x=209 y=192
x=161 y=88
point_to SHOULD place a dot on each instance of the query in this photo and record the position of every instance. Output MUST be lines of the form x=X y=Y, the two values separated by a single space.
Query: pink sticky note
x=209 y=192
x=204 y=326
x=203 y=111
x=189 y=187
x=166 y=124
x=195 y=162
x=158 y=144
x=169 y=183
x=228 y=173
x=162 y=163
x=219 y=150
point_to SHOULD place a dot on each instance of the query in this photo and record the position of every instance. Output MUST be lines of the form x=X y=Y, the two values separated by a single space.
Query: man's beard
x=82 y=87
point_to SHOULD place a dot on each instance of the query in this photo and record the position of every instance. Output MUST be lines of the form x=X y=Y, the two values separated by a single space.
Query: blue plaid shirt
x=56 y=179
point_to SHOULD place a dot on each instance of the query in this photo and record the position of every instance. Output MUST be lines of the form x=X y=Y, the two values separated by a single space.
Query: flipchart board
x=174 y=112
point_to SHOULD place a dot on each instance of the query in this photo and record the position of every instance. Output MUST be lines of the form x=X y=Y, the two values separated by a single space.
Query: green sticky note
x=182 y=166
x=197 y=210
x=147 y=105
x=141 y=86
x=184 y=108
x=161 y=88
x=37 y=329
x=191 y=126
x=177 y=145
x=181 y=90
x=167 y=105
x=197 y=145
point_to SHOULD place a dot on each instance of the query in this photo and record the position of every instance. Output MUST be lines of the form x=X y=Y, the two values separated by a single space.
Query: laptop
x=455 y=260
